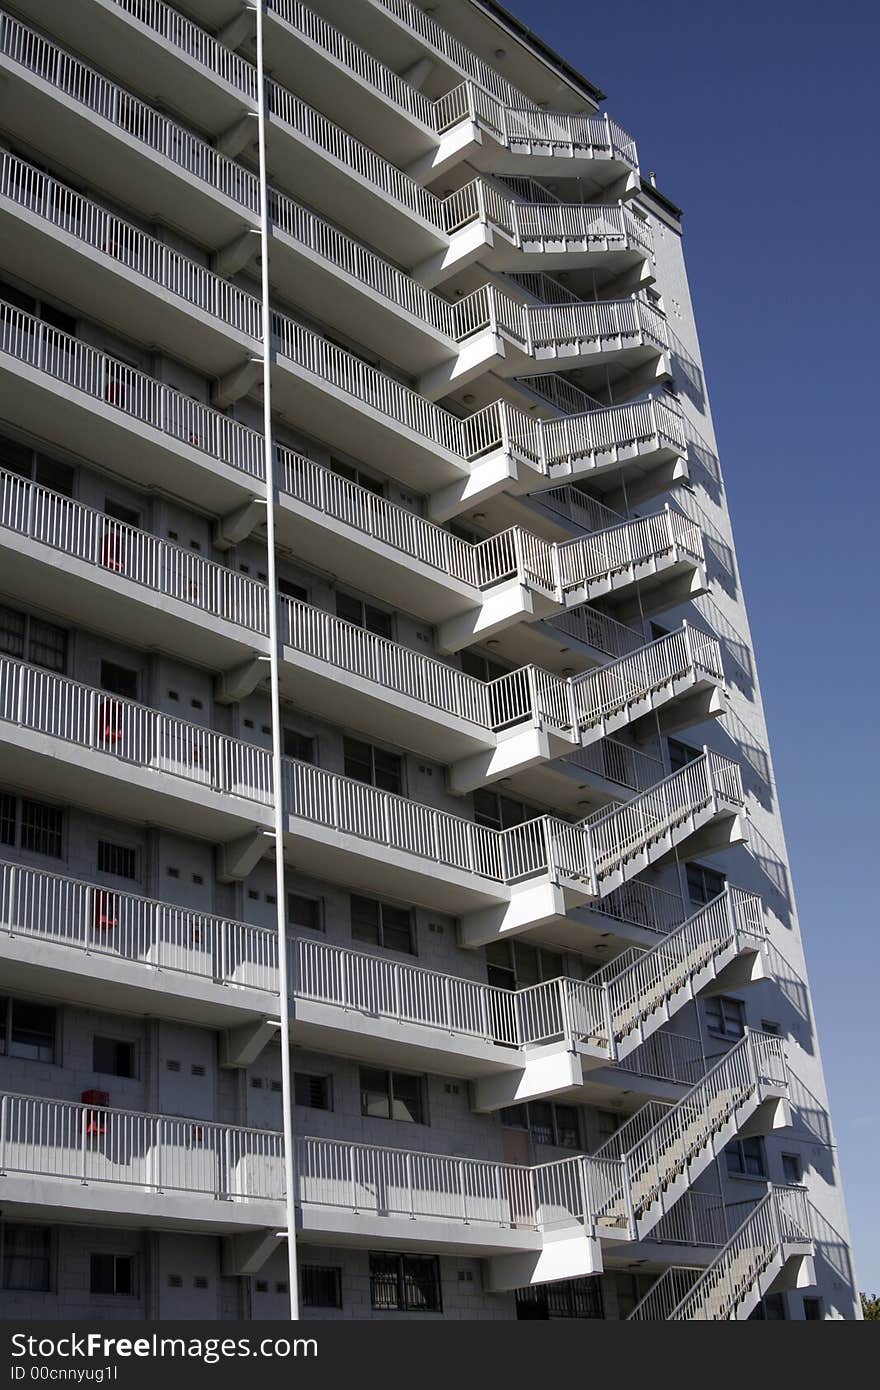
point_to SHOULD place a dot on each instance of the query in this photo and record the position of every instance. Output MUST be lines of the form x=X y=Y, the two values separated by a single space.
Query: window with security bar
x=405 y=1283
x=31 y=825
x=572 y=1298
x=320 y=1286
x=25 y=1258
x=30 y=639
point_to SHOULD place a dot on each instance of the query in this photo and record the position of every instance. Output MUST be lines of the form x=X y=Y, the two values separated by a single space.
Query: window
x=405 y=1283
x=119 y=680
x=312 y=1091
x=32 y=640
x=573 y=1298
x=680 y=754
x=392 y=1095
x=813 y=1311
x=365 y=615
x=608 y=1122
x=745 y=1157
x=112 y=1057
x=501 y=812
x=304 y=912
x=356 y=475
x=112 y=1274
x=703 y=884
x=118 y=860
x=725 y=1017
x=547 y=1122
x=382 y=924
x=291 y=590
x=517 y=965
x=482 y=668
x=374 y=766
x=41 y=828
x=27 y=1030
x=321 y=1286
x=26 y=1258
x=792 y=1169
x=299 y=746
x=770 y=1309
x=47 y=312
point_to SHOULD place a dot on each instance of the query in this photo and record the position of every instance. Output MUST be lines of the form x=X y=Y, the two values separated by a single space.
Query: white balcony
x=78 y=744
x=115 y=142
x=571 y=1037
x=460 y=460
x=65 y=938
x=127 y=579
x=68 y=393
x=104 y=1165
x=128 y=760
x=772 y=1248
x=355 y=88
x=118 y=143
x=72 y=247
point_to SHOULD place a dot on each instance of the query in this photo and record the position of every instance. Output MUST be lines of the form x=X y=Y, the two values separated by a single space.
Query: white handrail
x=781 y=1219
x=94 y=1143
x=40 y=700
x=129 y=553
x=123 y=389
x=103 y=921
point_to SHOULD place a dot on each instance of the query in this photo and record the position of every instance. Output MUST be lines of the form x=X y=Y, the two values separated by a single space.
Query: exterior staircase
x=773 y=1246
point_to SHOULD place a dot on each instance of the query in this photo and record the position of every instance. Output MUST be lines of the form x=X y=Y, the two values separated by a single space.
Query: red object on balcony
x=105 y=911
x=95 y=1122
x=111 y=552
x=109 y=721
x=198 y=1133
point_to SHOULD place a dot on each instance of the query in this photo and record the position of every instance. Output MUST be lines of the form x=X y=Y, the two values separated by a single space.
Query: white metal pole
x=275 y=695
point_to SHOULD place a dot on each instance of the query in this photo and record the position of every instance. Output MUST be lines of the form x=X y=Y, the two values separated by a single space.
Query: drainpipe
x=275 y=695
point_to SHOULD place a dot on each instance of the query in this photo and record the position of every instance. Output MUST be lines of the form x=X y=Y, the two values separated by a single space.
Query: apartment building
x=395 y=914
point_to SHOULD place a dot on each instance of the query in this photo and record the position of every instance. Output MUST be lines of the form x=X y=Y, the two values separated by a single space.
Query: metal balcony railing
x=102 y=921
x=485 y=309
x=59 y=68
x=119 y=550
x=401 y=1182
x=613 y=226
x=696 y=1219
x=781 y=1219
x=99 y=921
x=32 y=698
x=612 y=1007
x=176 y=31
x=588 y=851
x=155 y=1153
x=515 y=122
x=132 y=393
x=655 y=1146
x=618 y=762
x=47 y=198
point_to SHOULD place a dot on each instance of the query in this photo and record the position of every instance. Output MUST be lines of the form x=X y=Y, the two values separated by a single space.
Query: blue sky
x=761 y=121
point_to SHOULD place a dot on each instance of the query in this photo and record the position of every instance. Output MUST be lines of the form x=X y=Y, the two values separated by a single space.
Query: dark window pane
x=375 y=1097
x=41 y=828
x=312 y=1091
x=358 y=760
x=365 y=920
x=321 y=1286
x=408 y=1103
x=541 y=1121
x=567 y=1131
x=388 y=771
x=33 y=1032
x=56 y=476
x=7 y=819
x=421 y=1279
x=27 y=1252
x=396 y=928
x=119 y=680
x=378 y=621
x=304 y=912
x=385 y=1282
x=113 y=1058
x=291 y=590
x=118 y=860
x=300 y=746
x=12 y=630
x=48 y=646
